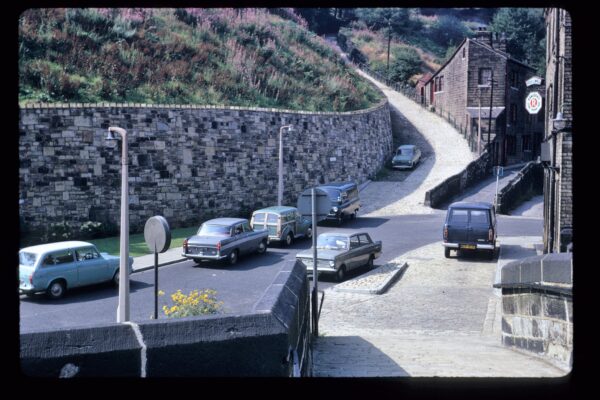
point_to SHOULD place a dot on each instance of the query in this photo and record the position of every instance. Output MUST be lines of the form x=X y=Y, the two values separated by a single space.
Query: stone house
x=480 y=79
x=557 y=154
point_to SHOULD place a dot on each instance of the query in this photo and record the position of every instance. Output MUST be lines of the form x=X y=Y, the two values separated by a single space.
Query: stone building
x=480 y=79
x=557 y=154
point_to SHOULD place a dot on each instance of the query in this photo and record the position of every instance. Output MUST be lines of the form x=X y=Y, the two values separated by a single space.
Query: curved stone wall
x=187 y=163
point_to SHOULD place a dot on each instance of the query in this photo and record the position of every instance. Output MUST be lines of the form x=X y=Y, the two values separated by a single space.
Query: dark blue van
x=470 y=226
x=344 y=200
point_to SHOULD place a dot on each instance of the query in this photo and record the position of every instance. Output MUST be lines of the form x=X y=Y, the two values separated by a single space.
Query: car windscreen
x=458 y=217
x=405 y=152
x=27 y=259
x=479 y=217
x=332 y=242
x=334 y=194
x=214 y=230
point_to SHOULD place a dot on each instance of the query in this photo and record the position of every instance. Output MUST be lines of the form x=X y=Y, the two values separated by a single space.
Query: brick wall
x=186 y=163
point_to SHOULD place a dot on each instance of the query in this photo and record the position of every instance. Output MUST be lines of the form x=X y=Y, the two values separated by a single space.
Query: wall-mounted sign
x=533 y=103
x=534 y=80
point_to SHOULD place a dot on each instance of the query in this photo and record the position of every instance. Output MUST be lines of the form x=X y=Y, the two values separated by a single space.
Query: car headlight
x=332 y=263
x=335 y=209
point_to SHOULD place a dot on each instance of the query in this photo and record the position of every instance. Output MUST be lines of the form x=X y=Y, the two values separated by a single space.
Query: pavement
x=146 y=262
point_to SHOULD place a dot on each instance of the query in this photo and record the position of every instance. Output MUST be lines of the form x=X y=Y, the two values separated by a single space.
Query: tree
x=449 y=31
x=525 y=34
x=389 y=20
x=407 y=63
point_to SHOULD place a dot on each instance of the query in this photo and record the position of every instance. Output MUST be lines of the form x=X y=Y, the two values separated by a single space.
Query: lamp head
x=112 y=129
x=110 y=135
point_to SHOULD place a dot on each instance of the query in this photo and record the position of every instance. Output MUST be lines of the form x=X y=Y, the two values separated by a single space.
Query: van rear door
x=479 y=225
x=458 y=225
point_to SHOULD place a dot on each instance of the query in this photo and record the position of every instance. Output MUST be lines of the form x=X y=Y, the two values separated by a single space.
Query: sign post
x=158 y=239
x=498 y=171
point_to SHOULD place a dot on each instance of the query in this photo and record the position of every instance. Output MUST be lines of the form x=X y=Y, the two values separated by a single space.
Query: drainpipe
x=553 y=134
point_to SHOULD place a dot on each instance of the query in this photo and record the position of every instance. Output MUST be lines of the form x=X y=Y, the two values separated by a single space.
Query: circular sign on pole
x=533 y=103
x=157 y=234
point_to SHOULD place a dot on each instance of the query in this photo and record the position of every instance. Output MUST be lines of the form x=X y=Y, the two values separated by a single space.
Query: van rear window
x=479 y=217
x=259 y=217
x=459 y=216
x=272 y=218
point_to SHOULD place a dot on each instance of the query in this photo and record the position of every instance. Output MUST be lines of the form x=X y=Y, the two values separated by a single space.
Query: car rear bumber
x=24 y=273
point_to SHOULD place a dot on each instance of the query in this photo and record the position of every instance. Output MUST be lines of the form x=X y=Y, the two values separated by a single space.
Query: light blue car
x=55 y=267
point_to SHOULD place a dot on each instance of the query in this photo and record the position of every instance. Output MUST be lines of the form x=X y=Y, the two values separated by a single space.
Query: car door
x=354 y=253
x=458 y=225
x=479 y=224
x=91 y=267
x=242 y=239
x=59 y=264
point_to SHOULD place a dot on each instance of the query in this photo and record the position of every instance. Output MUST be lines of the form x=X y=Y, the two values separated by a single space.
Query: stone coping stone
x=376 y=281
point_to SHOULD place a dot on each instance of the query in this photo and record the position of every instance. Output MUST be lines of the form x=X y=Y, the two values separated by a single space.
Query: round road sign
x=533 y=103
x=157 y=234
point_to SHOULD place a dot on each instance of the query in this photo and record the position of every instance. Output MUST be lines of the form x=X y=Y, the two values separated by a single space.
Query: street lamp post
x=280 y=183
x=123 y=308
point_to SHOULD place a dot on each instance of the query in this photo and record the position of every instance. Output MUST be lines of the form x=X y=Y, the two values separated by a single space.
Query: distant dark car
x=344 y=200
x=225 y=239
x=338 y=253
x=406 y=156
x=470 y=226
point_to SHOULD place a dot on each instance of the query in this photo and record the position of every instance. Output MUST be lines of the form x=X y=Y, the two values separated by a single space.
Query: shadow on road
x=352 y=356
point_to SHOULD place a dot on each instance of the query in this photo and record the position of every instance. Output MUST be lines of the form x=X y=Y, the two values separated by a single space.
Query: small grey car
x=338 y=253
x=225 y=239
x=406 y=156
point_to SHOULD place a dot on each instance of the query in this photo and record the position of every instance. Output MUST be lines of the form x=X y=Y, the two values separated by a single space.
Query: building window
x=514 y=79
x=485 y=76
x=440 y=84
x=513 y=113
x=527 y=143
x=464 y=52
x=511 y=145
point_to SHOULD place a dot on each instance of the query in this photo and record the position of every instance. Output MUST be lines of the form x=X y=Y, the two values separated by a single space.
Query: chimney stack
x=499 y=43
x=483 y=36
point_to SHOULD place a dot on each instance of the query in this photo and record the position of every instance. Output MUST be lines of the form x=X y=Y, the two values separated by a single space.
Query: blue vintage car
x=225 y=239
x=55 y=267
x=285 y=224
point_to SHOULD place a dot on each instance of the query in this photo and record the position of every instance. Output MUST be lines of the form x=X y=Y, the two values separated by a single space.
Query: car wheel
x=491 y=254
x=289 y=239
x=370 y=263
x=353 y=216
x=309 y=233
x=233 y=257
x=262 y=247
x=447 y=252
x=115 y=279
x=339 y=220
x=56 y=290
x=341 y=273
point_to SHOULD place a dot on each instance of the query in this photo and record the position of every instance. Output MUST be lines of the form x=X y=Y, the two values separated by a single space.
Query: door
x=479 y=224
x=242 y=241
x=58 y=264
x=91 y=268
x=458 y=225
x=355 y=258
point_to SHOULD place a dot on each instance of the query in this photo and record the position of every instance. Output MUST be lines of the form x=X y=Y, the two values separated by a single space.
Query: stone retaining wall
x=456 y=184
x=529 y=181
x=187 y=163
x=537 y=306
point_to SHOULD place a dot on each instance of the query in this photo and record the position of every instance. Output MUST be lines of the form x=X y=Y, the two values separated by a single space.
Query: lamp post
x=123 y=308
x=280 y=184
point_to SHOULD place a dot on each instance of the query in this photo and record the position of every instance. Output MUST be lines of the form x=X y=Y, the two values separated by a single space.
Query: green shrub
x=59 y=231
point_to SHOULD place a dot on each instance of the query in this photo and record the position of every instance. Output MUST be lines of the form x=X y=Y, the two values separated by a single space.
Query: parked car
x=55 y=267
x=406 y=156
x=344 y=199
x=470 y=226
x=338 y=253
x=225 y=239
x=284 y=224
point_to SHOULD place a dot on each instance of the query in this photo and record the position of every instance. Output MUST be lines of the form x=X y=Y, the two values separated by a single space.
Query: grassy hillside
x=237 y=57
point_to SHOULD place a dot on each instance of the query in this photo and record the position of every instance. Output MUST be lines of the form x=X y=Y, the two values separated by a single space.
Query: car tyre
x=341 y=273
x=370 y=262
x=116 y=277
x=309 y=233
x=491 y=254
x=262 y=247
x=56 y=290
x=447 y=252
x=233 y=257
x=289 y=239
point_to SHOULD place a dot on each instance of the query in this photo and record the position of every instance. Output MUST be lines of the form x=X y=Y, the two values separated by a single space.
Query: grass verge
x=137 y=244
